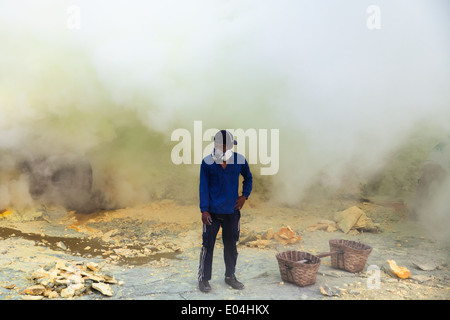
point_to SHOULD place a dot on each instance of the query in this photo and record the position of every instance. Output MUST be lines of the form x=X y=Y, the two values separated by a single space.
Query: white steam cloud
x=110 y=80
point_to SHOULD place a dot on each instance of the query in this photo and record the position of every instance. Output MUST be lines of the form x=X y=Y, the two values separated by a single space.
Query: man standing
x=220 y=205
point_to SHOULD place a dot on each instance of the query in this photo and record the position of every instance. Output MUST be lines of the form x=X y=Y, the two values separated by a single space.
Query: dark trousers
x=230 y=235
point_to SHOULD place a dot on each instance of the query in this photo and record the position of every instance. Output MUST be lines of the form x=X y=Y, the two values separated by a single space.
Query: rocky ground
x=152 y=252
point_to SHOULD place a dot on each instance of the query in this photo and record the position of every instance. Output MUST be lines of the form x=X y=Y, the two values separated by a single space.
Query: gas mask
x=219 y=155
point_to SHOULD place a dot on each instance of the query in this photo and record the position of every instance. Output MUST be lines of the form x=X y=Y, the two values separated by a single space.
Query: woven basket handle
x=326 y=254
x=322 y=255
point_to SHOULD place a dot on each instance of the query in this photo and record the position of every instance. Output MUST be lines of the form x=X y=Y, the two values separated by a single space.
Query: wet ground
x=153 y=252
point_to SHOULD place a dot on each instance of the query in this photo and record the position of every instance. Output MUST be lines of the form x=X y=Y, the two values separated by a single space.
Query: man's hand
x=240 y=202
x=206 y=218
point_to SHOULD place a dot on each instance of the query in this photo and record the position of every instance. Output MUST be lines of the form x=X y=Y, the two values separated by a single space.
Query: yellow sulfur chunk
x=400 y=272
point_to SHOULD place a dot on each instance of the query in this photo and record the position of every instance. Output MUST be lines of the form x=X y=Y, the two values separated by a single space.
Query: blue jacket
x=219 y=188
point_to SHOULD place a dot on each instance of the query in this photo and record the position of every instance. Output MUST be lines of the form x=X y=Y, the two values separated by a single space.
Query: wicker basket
x=302 y=274
x=351 y=255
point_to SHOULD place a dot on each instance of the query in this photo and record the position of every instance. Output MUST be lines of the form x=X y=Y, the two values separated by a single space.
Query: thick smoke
x=434 y=212
x=108 y=81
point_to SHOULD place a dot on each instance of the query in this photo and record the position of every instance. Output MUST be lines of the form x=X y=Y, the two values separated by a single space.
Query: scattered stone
x=421 y=278
x=46 y=282
x=50 y=294
x=327 y=291
x=269 y=234
x=35 y=290
x=68 y=281
x=248 y=238
x=75 y=279
x=93 y=277
x=78 y=288
x=342 y=291
x=354 y=218
x=323 y=225
x=125 y=252
x=260 y=243
x=429 y=265
x=323 y=291
x=104 y=288
x=107 y=236
x=92 y=266
x=60 y=265
x=347 y=219
x=40 y=273
x=61 y=245
x=68 y=292
x=331 y=228
x=62 y=282
x=109 y=279
x=287 y=236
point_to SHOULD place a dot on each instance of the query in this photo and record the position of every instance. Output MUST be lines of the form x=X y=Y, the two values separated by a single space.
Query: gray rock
x=61 y=245
x=103 y=288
